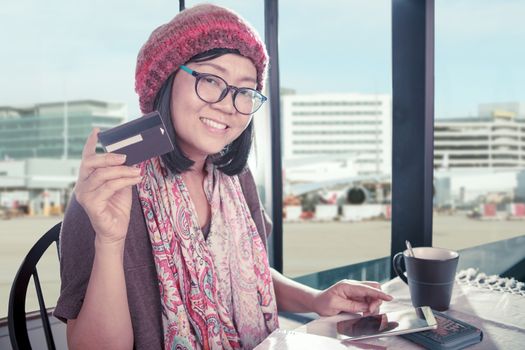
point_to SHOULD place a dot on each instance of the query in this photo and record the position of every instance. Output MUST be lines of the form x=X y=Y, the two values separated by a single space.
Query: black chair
x=16 y=316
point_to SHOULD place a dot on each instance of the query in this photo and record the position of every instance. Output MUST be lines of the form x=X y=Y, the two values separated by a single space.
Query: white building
x=494 y=140
x=54 y=130
x=41 y=147
x=352 y=127
x=37 y=183
x=481 y=156
x=470 y=185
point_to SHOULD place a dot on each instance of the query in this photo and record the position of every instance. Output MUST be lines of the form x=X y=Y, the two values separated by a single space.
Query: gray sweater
x=76 y=260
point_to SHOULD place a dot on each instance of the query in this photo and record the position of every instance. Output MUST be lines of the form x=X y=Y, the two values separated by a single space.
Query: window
x=478 y=139
x=336 y=124
x=70 y=68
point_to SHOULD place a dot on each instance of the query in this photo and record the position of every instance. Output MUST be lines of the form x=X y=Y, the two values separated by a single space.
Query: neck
x=197 y=170
x=198 y=165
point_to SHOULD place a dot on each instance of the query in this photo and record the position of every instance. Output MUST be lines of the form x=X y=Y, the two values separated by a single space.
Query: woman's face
x=204 y=128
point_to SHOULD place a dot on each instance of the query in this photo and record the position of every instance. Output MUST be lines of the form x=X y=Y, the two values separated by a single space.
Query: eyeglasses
x=212 y=89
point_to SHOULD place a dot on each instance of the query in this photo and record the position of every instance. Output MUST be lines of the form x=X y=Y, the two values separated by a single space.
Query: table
x=500 y=315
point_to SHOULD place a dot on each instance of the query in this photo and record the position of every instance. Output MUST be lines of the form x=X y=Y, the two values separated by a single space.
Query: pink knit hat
x=193 y=31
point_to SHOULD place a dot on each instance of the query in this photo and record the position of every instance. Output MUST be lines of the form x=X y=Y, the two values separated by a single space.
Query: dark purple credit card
x=140 y=139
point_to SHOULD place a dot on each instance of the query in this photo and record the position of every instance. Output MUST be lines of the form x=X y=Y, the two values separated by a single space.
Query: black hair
x=232 y=159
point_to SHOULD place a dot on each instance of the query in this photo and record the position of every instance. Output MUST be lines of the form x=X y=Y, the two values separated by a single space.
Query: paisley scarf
x=216 y=293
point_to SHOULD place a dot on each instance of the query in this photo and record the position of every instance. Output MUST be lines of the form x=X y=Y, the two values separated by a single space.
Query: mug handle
x=396 y=263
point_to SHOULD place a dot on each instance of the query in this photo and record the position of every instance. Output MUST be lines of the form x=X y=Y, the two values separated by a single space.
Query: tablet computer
x=390 y=323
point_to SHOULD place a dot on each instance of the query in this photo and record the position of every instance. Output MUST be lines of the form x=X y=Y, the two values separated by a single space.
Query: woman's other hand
x=350 y=296
x=103 y=189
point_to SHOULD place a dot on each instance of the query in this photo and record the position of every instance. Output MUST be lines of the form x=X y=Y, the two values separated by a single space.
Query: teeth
x=214 y=124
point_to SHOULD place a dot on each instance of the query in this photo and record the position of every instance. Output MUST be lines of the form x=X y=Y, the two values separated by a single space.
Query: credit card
x=140 y=139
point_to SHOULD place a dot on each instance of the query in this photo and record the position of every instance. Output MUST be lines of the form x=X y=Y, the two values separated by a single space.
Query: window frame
x=412 y=125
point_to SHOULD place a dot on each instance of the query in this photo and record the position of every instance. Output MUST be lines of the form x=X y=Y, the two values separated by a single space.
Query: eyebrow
x=223 y=70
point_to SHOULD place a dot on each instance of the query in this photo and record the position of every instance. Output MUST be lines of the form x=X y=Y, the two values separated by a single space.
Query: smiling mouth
x=213 y=124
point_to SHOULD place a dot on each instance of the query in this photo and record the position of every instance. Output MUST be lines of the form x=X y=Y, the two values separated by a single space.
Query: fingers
x=96 y=161
x=91 y=143
x=92 y=161
x=381 y=295
x=94 y=201
x=105 y=182
x=356 y=306
x=362 y=291
x=101 y=171
x=353 y=306
x=111 y=187
x=102 y=175
x=373 y=307
x=372 y=284
x=360 y=297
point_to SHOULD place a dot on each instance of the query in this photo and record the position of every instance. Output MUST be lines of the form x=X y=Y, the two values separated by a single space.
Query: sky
x=59 y=50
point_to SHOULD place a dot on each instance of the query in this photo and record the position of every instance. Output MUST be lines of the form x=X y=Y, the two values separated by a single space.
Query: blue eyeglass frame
x=225 y=92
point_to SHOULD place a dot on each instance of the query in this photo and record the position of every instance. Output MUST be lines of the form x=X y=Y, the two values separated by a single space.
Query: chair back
x=16 y=316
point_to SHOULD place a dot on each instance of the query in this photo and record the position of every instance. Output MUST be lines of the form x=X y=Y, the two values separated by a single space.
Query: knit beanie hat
x=193 y=31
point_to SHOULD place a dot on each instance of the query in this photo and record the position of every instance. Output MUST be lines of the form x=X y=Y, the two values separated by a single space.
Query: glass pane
x=48 y=269
x=260 y=157
x=336 y=122
x=70 y=69
x=260 y=160
x=17 y=236
x=479 y=137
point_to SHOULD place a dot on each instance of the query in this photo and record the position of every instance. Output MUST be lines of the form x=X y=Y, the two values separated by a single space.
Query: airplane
x=340 y=182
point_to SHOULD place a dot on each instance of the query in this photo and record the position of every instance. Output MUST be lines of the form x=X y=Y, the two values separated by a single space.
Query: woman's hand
x=350 y=296
x=103 y=189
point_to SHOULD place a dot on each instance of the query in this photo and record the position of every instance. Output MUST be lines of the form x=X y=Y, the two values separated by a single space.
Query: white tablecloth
x=501 y=316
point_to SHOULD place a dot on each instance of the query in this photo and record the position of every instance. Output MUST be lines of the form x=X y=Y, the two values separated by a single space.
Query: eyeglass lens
x=212 y=89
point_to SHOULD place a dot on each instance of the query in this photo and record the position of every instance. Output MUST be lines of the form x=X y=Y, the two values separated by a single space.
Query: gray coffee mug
x=431 y=273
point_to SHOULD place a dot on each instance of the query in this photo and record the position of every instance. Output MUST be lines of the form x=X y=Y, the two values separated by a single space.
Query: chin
x=210 y=150
x=214 y=153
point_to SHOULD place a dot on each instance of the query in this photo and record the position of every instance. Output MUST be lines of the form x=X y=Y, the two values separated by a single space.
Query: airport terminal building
x=54 y=130
x=495 y=139
x=474 y=157
x=357 y=127
x=482 y=156
x=345 y=134
x=41 y=147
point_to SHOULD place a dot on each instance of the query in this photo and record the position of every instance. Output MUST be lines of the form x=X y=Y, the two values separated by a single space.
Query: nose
x=226 y=104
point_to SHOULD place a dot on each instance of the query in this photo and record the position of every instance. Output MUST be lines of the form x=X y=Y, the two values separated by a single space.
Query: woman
x=172 y=253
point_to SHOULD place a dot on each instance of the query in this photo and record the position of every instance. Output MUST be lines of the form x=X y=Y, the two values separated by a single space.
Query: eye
x=247 y=93
x=211 y=80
